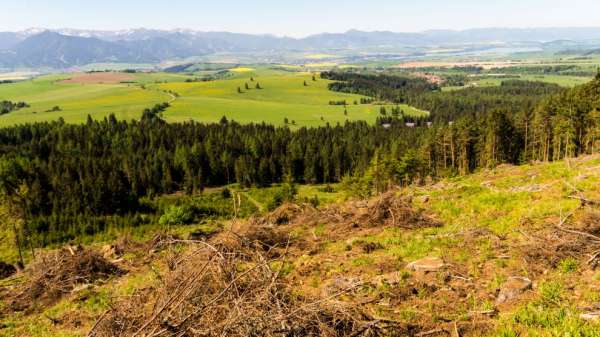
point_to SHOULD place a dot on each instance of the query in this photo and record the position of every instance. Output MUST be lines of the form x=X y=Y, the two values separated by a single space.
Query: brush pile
x=218 y=291
x=58 y=273
x=385 y=210
x=575 y=240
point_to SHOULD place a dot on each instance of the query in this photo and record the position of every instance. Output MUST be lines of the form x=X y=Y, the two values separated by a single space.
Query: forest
x=62 y=178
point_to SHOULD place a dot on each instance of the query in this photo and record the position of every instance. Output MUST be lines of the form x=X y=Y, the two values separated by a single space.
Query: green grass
x=76 y=101
x=283 y=96
x=500 y=199
x=562 y=80
x=547 y=315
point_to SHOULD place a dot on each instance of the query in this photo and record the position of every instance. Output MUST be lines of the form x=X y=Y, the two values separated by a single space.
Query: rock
x=340 y=284
x=514 y=287
x=590 y=316
x=81 y=288
x=428 y=264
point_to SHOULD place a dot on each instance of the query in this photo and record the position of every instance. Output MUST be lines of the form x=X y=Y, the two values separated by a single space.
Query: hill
x=502 y=252
x=282 y=95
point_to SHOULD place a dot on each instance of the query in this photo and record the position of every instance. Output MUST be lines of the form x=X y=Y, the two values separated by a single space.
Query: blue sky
x=297 y=18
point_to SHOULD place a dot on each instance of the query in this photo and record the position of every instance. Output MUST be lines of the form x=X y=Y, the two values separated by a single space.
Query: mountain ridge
x=63 y=48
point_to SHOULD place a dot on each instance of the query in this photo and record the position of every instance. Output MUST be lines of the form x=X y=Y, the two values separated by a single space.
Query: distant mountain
x=54 y=50
x=9 y=40
x=65 y=48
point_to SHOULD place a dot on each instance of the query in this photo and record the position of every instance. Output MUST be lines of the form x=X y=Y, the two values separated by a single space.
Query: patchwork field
x=282 y=95
x=100 y=78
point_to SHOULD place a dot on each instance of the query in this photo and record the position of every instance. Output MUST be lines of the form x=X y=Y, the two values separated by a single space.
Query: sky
x=296 y=18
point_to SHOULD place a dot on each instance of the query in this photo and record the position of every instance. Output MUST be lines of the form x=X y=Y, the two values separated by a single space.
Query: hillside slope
x=504 y=252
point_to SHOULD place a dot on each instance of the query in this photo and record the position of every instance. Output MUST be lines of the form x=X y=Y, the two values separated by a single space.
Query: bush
x=286 y=193
x=177 y=215
x=568 y=265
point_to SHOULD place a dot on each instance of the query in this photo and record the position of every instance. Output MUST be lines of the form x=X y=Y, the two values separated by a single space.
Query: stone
x=428 y=264
x=591 y=316
x=513 y=288
x=340 y=285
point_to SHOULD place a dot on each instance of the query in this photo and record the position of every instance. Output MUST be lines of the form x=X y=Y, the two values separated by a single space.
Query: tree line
x=8 y=106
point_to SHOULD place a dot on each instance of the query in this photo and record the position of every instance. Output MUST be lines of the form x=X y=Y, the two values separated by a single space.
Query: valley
x=189 y=182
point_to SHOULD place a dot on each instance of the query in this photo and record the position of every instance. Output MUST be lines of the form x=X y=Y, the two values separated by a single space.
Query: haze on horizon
x=297 y=19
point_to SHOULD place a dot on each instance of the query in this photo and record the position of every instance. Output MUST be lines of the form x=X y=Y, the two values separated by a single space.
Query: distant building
x=450 y=123
x=386 y=125
x=411 y=125
x=429 y=124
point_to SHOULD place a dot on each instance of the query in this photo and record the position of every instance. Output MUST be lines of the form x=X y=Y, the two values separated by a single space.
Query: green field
x=76 y=101
x=562 y=80
x=283 y=95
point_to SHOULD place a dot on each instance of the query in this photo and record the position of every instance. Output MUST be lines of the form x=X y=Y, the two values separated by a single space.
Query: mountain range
x=64 y=48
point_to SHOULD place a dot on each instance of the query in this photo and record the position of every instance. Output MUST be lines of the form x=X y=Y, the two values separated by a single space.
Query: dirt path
x=173 y=97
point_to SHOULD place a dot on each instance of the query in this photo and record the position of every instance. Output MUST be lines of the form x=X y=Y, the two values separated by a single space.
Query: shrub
x=177 y=215
x=568 y=265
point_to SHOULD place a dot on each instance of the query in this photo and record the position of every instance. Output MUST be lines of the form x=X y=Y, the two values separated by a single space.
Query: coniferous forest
x=61 y=178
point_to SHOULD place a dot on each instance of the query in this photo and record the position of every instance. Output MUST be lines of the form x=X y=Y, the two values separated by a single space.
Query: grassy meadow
x=76 y=101
x=283 y=94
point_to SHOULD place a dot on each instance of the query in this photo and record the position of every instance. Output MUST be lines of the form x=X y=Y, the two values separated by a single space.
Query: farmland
x=294 y=96
x=74 y=100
